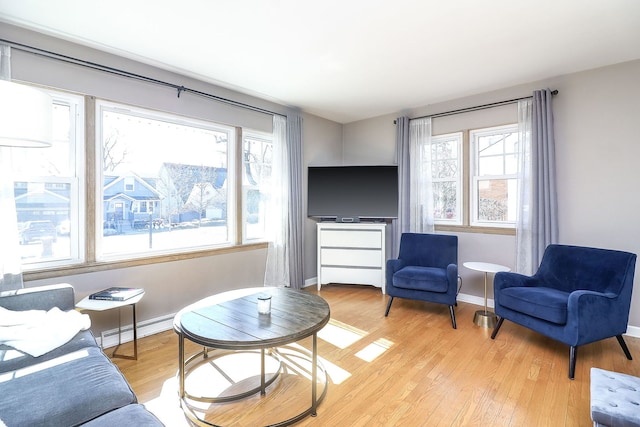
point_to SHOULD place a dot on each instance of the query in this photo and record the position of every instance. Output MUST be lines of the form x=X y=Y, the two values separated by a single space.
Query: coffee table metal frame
x=267 y=348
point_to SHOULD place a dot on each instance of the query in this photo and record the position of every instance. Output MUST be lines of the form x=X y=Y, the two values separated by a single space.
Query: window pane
x=511 y=164
x=494 y=168
x=445 y=201
x=256 y=181
x=496 y=200
x=446 y=164
x=46 y=190
x=165 y=185
x=491 y=166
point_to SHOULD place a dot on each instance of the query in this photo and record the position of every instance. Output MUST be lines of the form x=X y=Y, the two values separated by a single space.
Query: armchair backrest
x=428 y=250
x=571 y=268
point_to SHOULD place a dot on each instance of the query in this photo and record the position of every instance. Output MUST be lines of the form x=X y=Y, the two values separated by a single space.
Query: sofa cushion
x=421 y=278
x=544 y=303
x=130 y=415
x=68 y=390
x=12 y=359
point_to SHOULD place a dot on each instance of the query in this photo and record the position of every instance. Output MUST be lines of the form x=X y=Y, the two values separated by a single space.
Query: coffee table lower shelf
x=296 y=359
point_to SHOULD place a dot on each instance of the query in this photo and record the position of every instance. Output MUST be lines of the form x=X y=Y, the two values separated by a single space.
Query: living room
x=594 y=114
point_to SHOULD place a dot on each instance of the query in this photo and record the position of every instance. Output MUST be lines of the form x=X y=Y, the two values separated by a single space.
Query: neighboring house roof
x=143 y=189
x=41 y=197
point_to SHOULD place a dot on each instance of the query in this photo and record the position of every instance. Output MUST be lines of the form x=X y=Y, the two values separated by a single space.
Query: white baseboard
x=165 y=323
x=148 y=327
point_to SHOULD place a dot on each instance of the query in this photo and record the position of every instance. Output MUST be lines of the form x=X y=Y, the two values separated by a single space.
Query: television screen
x=352 y=193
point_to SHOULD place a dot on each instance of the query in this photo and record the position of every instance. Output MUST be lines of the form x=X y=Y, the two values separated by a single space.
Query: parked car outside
x=37 y=231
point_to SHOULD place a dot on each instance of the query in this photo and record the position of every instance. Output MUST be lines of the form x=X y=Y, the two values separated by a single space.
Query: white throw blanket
x=37 y=332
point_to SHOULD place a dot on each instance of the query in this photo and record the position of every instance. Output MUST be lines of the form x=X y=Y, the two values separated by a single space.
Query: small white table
x=102 y=305
x=485 y=317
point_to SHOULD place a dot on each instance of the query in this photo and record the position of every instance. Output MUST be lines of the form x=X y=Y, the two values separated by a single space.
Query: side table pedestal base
x=486 y=319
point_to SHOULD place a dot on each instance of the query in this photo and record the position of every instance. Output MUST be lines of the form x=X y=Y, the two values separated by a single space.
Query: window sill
x=110 y=265
x=470 y=229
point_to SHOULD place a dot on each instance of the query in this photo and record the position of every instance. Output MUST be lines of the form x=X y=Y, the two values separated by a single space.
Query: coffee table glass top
x=231 y=320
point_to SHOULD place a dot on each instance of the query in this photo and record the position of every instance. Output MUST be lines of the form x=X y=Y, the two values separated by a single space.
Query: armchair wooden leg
x=453 y=317
x=386 y=313
x=572 y=361
x=496 y=328
x=624 y=346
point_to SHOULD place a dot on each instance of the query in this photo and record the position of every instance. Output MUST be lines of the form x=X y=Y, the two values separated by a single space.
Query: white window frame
x=101 y=107
x=475 y=178
x=76 y=182
x=458 y=180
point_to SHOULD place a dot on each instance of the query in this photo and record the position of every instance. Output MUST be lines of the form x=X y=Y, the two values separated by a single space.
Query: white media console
x=352 y=253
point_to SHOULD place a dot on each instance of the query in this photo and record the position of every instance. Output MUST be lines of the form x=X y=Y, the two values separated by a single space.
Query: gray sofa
x=75 y=384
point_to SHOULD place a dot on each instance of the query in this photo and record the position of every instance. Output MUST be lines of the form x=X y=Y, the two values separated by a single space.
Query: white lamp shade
x=25 y=116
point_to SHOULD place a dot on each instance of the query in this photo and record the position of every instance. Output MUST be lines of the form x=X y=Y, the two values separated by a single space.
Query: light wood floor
x=409 y=369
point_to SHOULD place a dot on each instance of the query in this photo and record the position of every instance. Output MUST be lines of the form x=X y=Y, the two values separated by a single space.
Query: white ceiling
x=347 y=60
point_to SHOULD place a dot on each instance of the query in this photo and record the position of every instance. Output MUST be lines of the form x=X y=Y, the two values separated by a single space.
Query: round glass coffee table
x=230 y=323
x=485 y=318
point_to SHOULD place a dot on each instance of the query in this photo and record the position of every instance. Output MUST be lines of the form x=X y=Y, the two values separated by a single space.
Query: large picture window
x=167 y=183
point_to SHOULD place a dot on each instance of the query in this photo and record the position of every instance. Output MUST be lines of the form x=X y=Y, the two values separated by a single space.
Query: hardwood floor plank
x=409 y=369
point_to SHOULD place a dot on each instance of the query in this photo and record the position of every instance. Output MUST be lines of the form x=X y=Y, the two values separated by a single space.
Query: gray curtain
x=537 y=224
x=402 y=223
x=296 y=202
x=543 y=158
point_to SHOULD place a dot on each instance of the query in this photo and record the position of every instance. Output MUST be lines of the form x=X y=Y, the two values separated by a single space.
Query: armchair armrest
x=507 y=279
x=393 y=265
x=452 y=275
x=40 y=298
x=599 y=314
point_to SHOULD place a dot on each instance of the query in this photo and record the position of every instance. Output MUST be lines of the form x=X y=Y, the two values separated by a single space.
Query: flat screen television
x=352 y=193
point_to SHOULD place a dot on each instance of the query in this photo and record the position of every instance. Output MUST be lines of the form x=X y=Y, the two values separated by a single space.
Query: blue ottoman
x=615 y=399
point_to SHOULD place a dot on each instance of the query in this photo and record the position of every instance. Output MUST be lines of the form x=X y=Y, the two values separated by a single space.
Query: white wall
x=596 y=114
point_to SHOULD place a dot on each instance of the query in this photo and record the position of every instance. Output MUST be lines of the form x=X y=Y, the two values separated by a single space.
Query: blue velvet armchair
x=426 y=270
x=579 y=295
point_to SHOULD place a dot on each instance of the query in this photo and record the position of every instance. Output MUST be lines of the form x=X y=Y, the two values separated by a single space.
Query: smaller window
x=494 y=160
x=446 y=175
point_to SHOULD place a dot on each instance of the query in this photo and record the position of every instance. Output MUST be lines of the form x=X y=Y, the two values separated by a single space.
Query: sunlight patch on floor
x=335 y=373
x=375 y=349
x=340 y=334
x=167 y=406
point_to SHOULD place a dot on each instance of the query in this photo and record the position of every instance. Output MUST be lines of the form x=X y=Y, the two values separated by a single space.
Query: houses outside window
x=169 y=176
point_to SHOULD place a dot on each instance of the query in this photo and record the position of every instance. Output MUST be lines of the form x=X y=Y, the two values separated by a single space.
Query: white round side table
x=485 y=317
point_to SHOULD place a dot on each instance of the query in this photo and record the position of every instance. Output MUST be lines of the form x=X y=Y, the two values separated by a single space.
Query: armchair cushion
x=421 y=278
x=541 y=302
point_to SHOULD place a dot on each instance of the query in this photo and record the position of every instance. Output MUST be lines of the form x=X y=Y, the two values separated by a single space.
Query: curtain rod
x=477 y=107
x=123 y=73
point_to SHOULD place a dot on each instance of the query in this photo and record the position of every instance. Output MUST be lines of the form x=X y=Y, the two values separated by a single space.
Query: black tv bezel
x=367 y=216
